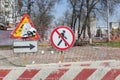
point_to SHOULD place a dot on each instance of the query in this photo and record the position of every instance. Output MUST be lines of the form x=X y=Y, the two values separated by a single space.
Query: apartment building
x=8 y=12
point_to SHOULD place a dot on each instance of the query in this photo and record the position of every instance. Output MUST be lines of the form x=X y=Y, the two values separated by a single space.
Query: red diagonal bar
x=112 y=74
x=57 y=74
x=84 y=74
x=3 y=73
x=28 y=74
x=62 y=38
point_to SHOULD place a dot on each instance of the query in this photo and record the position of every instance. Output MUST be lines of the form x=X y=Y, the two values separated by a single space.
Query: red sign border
x=73 y=37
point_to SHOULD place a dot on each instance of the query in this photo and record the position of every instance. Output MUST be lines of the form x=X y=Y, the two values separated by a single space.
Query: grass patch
x=110 y=44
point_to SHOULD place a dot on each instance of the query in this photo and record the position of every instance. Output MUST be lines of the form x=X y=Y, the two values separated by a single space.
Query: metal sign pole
x=25 y=56
x=61 y=57
x=25 y=59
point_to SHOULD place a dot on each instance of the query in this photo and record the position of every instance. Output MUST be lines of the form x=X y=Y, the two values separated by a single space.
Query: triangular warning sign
x=25 y=29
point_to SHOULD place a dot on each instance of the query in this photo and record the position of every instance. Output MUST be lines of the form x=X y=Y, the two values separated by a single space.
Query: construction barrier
x=91 y=70
x=63 y=73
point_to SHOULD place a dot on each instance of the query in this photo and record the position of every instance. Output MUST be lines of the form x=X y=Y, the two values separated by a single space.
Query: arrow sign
x=25 y=46
x=30 y=46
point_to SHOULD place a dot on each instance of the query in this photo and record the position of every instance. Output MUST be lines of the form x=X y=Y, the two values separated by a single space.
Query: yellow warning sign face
x=25 y=29
x=20 y=28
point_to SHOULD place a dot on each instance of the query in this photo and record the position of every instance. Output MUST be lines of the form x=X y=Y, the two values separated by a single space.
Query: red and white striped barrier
x=105 y=63
x=63 y=73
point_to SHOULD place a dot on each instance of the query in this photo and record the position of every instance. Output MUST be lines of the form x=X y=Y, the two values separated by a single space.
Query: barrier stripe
x=118 y=77
x=56 y=74
x=84 y=74
x=99 y=74
x=16 y=72
x=43 y=73
x=112 y=74
x=28 y=74
x=71 y=73
x=3 y=73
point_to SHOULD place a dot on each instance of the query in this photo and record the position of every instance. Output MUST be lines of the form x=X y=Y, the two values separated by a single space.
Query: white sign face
x=28 y=30
x=25 y=46
x=62 y=38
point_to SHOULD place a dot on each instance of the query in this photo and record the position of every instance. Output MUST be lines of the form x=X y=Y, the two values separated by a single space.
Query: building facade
x=93 y=26
x=8 y=11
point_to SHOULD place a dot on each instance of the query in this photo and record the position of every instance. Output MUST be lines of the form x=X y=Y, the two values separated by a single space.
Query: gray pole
x=108 y=27
x=29 y=7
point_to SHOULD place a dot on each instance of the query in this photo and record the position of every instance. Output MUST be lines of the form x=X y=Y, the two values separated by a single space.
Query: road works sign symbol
x=25 y=46
x=25 y=29
x=62 y=38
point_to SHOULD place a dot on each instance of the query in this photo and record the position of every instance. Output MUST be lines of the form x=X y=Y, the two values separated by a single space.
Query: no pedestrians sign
x=62 y=38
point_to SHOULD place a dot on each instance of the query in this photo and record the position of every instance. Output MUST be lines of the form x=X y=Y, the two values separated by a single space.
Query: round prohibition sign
x=62 y=38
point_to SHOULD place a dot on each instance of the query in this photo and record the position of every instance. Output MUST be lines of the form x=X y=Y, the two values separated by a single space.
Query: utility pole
x=108 y=27
x=29 y=6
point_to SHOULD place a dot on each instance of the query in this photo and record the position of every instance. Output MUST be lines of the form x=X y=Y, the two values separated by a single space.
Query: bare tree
x=64 y=20
x=89 y=8
x=74 y=16
x=79 y=17
x=82 y=10
x=43 y=16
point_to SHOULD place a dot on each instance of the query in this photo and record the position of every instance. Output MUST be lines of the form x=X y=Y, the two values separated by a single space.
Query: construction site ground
x=47 y=54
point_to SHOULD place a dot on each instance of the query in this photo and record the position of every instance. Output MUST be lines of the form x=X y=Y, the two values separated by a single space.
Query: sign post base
x=25 y=59
x=61 y=57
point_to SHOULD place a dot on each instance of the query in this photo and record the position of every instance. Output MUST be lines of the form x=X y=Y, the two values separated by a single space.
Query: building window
x=6 y=4
x=7 y=12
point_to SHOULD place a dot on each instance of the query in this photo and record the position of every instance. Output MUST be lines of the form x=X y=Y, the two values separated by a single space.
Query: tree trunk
x=89 y=32
x=83 y=30
x=73 y=16
x=79 y=19
x=29 y=7
x=74 y=24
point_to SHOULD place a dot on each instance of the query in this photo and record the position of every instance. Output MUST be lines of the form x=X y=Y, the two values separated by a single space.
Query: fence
x=47 y=54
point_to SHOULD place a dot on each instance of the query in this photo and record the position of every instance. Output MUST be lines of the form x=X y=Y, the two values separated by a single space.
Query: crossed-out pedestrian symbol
x=62 y=37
